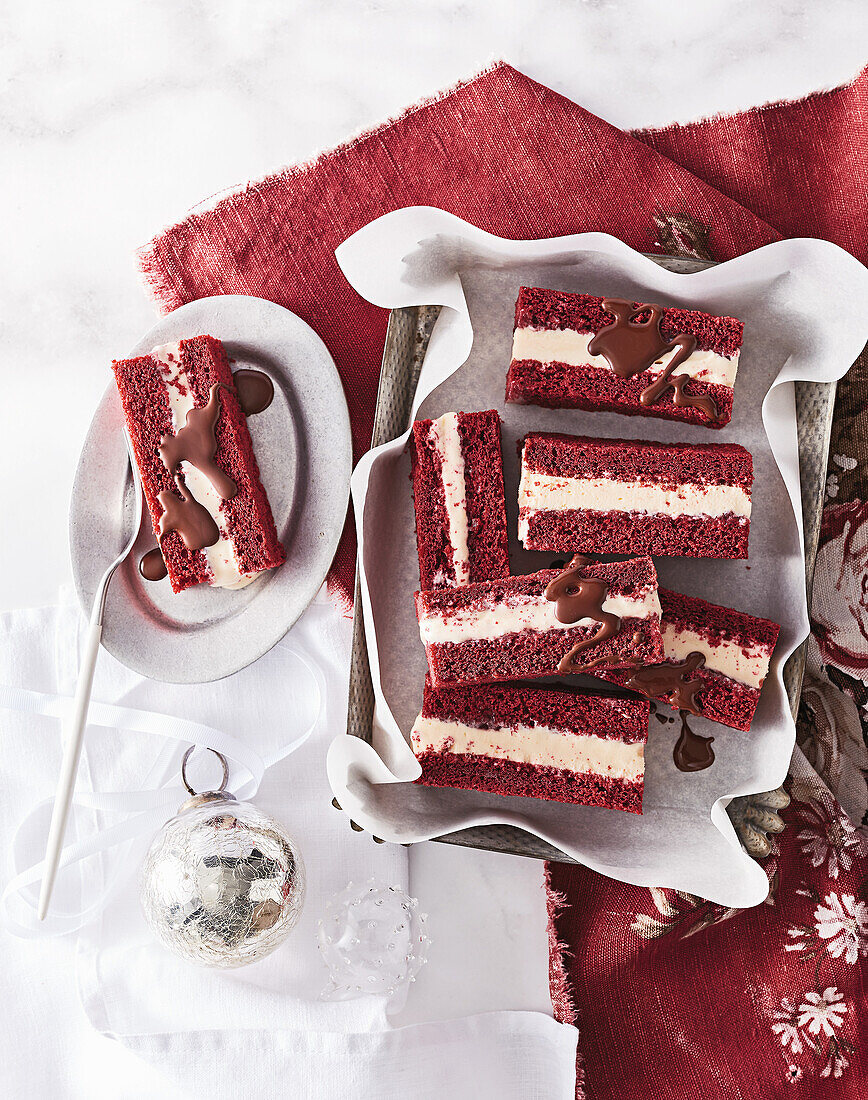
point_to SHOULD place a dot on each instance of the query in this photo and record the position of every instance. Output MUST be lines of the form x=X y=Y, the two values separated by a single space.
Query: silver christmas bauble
x=222 y=884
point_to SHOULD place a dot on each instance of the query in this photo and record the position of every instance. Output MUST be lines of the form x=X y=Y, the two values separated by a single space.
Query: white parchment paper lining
x=803 y=303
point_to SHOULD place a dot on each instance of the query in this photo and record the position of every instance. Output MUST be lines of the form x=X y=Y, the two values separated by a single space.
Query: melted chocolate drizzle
x=151 y=565
x=575 y=598
x=692 y=753
x=255 y=390
x=186 y=515
x=631 y=347
x=196 y=443
x=671 y=680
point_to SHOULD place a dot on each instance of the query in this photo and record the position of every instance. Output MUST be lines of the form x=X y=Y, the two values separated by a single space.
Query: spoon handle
x=69 y=767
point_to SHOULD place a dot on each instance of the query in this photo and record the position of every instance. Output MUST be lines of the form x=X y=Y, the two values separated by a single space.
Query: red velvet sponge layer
x=637 y=533
x=488 y=555
x=506 y=777
x=247 y=516
x=668 y=464
x=596 y=389
x=495 y=706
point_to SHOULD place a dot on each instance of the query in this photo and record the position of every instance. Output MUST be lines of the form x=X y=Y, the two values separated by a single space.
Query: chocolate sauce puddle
x=196 y=443
x=255 y=390
x=692 y=753
x=631 y=347
x=575 y=598
x=151 y=565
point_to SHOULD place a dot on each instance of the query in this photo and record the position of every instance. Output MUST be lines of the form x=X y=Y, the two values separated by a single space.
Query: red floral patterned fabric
x=673 y=997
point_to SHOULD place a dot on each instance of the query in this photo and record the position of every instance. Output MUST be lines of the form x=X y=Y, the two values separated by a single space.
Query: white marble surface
x=115 y=116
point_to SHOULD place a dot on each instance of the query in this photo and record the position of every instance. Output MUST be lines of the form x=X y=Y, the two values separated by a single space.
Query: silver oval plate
x=302 y=444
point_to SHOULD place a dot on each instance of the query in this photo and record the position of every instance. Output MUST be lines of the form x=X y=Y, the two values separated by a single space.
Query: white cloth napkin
x=265 y=1024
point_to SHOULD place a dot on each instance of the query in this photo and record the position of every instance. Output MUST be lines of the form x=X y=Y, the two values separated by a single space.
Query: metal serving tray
x=406 y=343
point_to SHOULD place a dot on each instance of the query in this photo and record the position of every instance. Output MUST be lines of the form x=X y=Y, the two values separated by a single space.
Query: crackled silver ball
x=373 y=940
x=222 y=884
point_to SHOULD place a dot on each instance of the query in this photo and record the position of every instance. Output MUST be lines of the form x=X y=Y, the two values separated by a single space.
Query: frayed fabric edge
x=157 y=279
x=647 y=132
x=559 y=990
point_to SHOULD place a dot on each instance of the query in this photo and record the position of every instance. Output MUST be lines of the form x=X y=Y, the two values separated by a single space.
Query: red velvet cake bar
x=716 y=660
x=201 y=482
x=459 y=499
x=550 y=743
x=617 y=496
x=576 y=351
x=545 y=624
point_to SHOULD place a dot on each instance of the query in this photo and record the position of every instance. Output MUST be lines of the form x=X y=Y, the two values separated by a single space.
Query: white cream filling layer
x=548 y=493
x=538 y=745
x=222 y=559
x=747 y=666
x=444 y=438
x=549 y=345
x=523 y=613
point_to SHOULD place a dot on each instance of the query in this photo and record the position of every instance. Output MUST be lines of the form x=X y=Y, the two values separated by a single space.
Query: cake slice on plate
x=577 y=351
x=190 y=440
x=716 y=660
x=553 y=743
x=545 y=624
x=618 y=496
x=459 y=499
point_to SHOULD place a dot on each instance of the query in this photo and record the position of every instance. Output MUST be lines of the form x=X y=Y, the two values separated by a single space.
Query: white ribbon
x=146 y=810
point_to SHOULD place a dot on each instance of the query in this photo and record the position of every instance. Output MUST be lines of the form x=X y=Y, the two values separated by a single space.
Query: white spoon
x=81 y=704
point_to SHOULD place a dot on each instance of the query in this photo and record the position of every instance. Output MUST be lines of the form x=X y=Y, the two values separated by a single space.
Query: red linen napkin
x=673 y=997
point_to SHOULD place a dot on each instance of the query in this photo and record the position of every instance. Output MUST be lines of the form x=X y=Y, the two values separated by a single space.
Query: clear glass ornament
x=373 y=940
x=222 y=884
